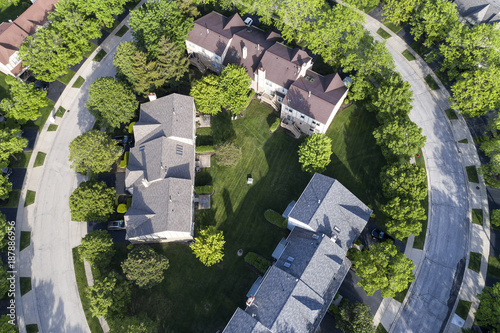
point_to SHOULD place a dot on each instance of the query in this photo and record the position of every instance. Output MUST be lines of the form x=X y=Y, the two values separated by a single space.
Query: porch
x=271 y=101
x=290 y=126
x=196 y=62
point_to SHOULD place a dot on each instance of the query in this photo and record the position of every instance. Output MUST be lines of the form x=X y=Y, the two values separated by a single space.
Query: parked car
x=379 y=234
x=42 y=85
x=124 y=139
x=116 y=225
x=7 y=171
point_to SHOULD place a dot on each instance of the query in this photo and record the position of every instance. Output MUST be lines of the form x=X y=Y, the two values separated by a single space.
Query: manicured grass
x=98 y=57
x=475 y=261
x=43 y=118
x=209 y=296
x=472 y=174
x=442 y=76
x=13 y=199
x=25 y=240
x=66 y=78
x=451 y=114
x=380 y=329
x=40 y=159
x=463 y=308
x=394 y=28
x=400 y=296
x=123 y=30
x=24 y=159
x=419 y=241
x=81 y=281
x=25 y=284
x=92 y=49
x=419 y=48
x=32 y=328
x=477 y=216
x=493 y=267
x=112 y=27
x=52 y=128
x=30 y=198
x=463 y=141
x=383 y=33
x=60 y=112
x=78 y=83
x=11 y=12
x=431 y=82
x=408 y=55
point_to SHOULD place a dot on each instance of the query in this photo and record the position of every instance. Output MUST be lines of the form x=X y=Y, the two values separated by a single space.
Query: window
x=280 y=99
x=302 y=116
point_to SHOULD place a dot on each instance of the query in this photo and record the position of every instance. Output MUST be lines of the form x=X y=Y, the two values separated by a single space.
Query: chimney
x=244 y=52
x=258 y=47
x=208 y=31
x=152 y=96
x=145 y=182
x=309 y=93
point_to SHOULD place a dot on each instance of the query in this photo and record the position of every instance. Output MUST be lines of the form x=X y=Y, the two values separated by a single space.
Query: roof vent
x=179 y=150
x=334 y=238
x=314 y=236
x=208 y=31
x=145 y=182
x=250 y=300
x=258 y=47
x=337 y=229
x=287 y=264
x=290 y=259
x=244 y=52
x=319 y=201
x=310 y=96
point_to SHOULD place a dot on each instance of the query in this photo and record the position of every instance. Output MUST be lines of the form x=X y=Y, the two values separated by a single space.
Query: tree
x=400 y=137
x=495 y=217
x=133 y=324
x=383 y=268
x=92 y=201
x=235 y=88
x=392 y=98
x=4 y=283
x=404 y=217
x=296 y=17
x=93 y=151
x=488 y=313
x=145 y=267
x=404 y=180
x=6 y=326
x=208 y=247
x=355 y=318
x=155 y=19
x=97 y=248
x=363 y=4
x=144 y=73
x=171 y=63
x=399 y=11
x=103 y=11
x=11 y=142
x=4 y=230
x=227 y=154
x=207 y=94
x=25 y=101
x=314 y=153
x=475 y=93
x=124 y=61
x=188 y=8
x=5 y=187
x=434 y=19
x=109 y=296
x=111 y=102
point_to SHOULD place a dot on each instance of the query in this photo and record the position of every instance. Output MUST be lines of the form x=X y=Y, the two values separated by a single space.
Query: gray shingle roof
x=480 y=11
x=326 y=206
x=242 y=322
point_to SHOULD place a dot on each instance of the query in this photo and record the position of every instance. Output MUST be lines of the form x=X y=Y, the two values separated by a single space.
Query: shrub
x=275 y=218
x=124 y=161
x=145 y=267
x=131 y=127
x=122 y=208
x=207 y=189
x=275 y=125
x=205 y=149
x=346 y=101
x=257 y=261
x=495 y=217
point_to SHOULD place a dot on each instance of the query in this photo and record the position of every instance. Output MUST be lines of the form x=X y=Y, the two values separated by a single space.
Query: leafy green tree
x=171 y=63
x=4 y=283
x=5 y=326
x=314 y=153
x=97 y=248
x=227 y=154
x=235 y=87
x=295 y=17
x=4 y=230
x=383 y=268
x=144 y=73
x=124 y=61
x=93 y=151
x=400 y=11
x=404 y=180
x=355 y=318
x=362 y=4
x=188 y=8
x=156 y=19
x=11 y=142
x=495 y=217
x=491 y=171
x=133 y=324
x=208 y=247
x=5 y=187
x=207 y=94
x=404 y=217
x=25 y=101
x=477 y=92
x=491 y=147
x=391 y=99
x=400 y=137
x=434 y=19
x=145 y=267
x=92 y=201
x=109 y=296
x=111 y=102
x=103 y=11
x=488 y=313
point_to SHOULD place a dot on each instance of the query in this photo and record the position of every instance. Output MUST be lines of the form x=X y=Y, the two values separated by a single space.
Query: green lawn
x=400 y=296
x=475 y=261
x=98 y=57
x=408 y=55
x=477 y=216
x=13 y=199
x=66 y=78
x=24 y=159
x=209 y=296
x=123 y=30
x=419 y=48
x=463 y=308
x=25 y=284
x=30 y=198
x=419 y=241
x=112 y=27
x=394 y=28
x=43 y=118
x=52 y=128
x=25 y=240
x=383 y=33
x=11 y=12
x=494 y=267
x=60 y=112
x=92 y=49
x=472 y=174
x=463 y=141
x=451 y=114
x=431 y=82
x=32 y=328
x=79 y=82
x=40 y=159
x=380 y=329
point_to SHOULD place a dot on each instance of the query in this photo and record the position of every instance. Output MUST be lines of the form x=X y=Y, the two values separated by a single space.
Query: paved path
x=54 y=303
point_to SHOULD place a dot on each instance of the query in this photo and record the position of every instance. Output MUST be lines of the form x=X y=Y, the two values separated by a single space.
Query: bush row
x=275 y=218
x=205 y=149
x=206 y=189
x=257 y=261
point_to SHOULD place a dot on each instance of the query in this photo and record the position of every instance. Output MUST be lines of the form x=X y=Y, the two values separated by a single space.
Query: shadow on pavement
x=17 y=178
x=354 y=293
x=55 y=90
x=30 y=134
x=118 y=236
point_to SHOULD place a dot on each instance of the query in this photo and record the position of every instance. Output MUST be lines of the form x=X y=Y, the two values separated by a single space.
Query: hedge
x=205 y=149
x=275 y=125
x=257 y=261
x=207 y=189
x=275 y=218
x=124 y=162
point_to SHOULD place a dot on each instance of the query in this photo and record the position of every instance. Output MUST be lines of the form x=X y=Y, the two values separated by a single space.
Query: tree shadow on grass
x=222 y=128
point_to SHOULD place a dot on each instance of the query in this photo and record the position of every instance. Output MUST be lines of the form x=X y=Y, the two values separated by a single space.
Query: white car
x=116 y=225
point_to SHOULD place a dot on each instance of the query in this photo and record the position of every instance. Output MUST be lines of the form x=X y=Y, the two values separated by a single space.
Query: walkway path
x=442 y=266
x=54 y=303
